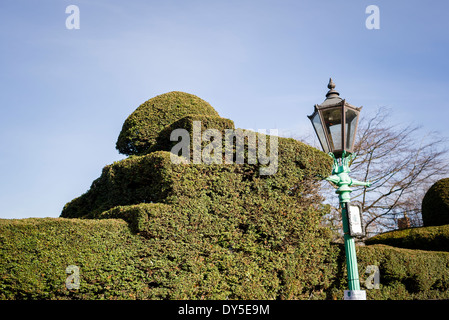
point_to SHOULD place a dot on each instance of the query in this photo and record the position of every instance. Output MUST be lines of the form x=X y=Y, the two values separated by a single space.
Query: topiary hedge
x=222 y=228
x=141 y=128
x=435 y=205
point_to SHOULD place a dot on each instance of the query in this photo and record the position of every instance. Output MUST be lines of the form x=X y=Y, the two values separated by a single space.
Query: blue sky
x=66 y=93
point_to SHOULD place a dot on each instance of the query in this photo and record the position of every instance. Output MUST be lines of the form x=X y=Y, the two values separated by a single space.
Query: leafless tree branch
x=402 y=161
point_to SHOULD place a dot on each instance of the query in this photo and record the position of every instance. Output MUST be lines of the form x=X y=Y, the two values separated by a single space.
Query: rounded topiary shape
x=435 y=205
x=141 y=128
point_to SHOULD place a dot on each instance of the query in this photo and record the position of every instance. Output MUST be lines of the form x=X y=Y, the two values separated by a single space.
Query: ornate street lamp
x=335 y=123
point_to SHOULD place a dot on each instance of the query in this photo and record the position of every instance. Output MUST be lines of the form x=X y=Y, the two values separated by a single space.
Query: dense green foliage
x=154 y=178
x=137 y=179
x=176 y=260
x=142 y=127
x=163 y=141
x=229 y=255
x=221 y=222
x=435 y=205
x=35 y=253
x=220 y=230
x=405 y=273
x=434 y=238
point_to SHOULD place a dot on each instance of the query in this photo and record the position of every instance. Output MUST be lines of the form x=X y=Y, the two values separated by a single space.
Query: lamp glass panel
x=320 y=132
x=351 y=124
x=332 y=121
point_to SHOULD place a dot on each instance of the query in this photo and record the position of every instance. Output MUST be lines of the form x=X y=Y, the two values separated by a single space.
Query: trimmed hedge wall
x=404 y=273
x=35 y=253
x=423 y=238
x=178 y=261
x=230 y=256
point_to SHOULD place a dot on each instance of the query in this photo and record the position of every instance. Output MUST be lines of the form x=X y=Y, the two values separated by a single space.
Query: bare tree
x=402 y=163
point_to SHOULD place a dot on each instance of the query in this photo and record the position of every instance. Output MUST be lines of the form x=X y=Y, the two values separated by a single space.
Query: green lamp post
x=335 y=122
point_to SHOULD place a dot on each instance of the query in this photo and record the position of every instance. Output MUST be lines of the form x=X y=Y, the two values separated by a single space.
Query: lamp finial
x=331 y=84
x=331 y=93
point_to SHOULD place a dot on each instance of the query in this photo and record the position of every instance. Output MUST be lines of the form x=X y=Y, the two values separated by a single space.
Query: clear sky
x=65 y=93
